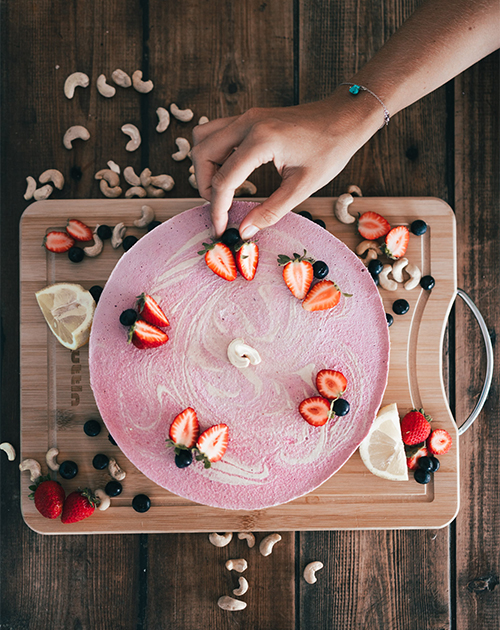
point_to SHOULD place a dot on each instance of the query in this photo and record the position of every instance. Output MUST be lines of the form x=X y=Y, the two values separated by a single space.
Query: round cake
x=273 y=454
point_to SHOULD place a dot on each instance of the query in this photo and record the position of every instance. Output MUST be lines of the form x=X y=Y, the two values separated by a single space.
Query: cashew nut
x=117 y=235
x=74 y=133
x=94 y=250
x=135 y=191
x=238 y=564
x=33 y=466
x=184 y=115
x=147 y=215
x=77 y=79
x=141 y=86
x=397 y=269
x=241 y=354
x=249 y=537
x=54 y=176
x=341 y=209
x=310 y=571
x=135 y=137
x=192 y=178
x=229 y=603
x=30 y=188
x=163 y=119
x=267 y=544
x=184 y=149
x=51 y=459
x=104 y=499
x=354 y=190
x=385 y=281
x=121 y=78
x=9 y=449
x=415 y=275
x=131 y=176
x=114 y=167
x=371 y=248
x=243 y=586
x=246 y=189
x=108 y=175
x=152 y=191
x=203 y=120
x=145 y=177
x=104 y=88
x=165 y=182
x=43 y=193
x=116 y=191
x=220 y=541
x=115 y=471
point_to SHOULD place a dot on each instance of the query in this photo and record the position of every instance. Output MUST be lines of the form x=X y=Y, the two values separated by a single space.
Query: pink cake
x=273 y=455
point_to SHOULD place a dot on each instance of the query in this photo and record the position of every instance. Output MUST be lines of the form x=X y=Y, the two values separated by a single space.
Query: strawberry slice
x=78 y=230
x=184 y=430
x=316 y=410
x=439 y=442
x=412 y=461
x=144 y=335
x=323 y=295
x=247 y=259
x=212 y=444
x=220 y=260
x=151 y=311
x=58 y=241
x=297 y=273
x=396 y=242
x=372 y=226
x=331 y=384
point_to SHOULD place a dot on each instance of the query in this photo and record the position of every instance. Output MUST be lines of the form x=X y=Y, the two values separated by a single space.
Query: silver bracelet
x=355 y=89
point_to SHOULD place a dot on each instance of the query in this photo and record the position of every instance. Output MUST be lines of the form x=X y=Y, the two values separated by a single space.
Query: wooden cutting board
x=56 y=399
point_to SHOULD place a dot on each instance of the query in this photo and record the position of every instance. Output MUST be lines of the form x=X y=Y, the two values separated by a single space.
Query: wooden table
x=219 y=58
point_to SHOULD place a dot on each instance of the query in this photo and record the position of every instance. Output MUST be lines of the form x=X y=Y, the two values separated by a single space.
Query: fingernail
x=249 y=231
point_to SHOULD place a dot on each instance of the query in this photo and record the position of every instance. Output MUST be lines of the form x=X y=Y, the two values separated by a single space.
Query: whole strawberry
x=49 y=497
x=415 y=427
x=79 y=504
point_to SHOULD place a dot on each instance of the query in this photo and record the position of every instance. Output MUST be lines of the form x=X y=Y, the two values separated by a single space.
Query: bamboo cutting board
x=56 y=399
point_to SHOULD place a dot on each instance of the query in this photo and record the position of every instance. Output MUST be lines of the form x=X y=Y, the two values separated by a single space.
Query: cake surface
x=273 y=455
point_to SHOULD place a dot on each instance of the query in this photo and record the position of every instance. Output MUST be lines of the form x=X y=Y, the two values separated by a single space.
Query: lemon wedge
x=382 y=451
x=68 y=310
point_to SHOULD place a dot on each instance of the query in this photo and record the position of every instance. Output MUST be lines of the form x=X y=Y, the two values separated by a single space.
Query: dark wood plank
x=478 y=236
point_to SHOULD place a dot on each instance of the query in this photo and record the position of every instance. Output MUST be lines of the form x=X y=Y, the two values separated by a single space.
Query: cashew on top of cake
x=54 y=176
x=267 y=544
x=237 y=564
x=9 y=450
x=243 y=586
x=241 y=355
x=229 y=603
x=77 y=132
x=51 y=459
x=77 y=79
x=220 y=540
x=33 y=466
x=310 y=571
x=135 y=137
x=341 y=208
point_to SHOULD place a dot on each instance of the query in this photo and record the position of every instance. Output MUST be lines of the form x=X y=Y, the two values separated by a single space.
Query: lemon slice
x=68 y=310
x=382 y=451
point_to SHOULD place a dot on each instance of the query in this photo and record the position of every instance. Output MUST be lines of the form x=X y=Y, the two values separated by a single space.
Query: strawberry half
x=144 y=335
x=415 y=428
x=212 y=444
x=184 y=430
x=412 y=461
x=372 y=226
x=331 y=384
x=247 y=259
x=58 y=241
x=220 y=260
x=78 y=230
x=150 y=311
x=396 y=242
x=49 y=497
x=439 y=442
x=78 y=505
x=316 y=410
x=298 y=273
x=323 y=295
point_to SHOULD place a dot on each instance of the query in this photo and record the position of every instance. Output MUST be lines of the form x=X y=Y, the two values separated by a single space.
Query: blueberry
x=100 y=461
x=68 y=470
x=128 y=317
x=230 y=237
x=183 y=459
x=113 y=488
x=104 y=232
x=422 y=476
x=419 y=227
x=96 y=291
x=76 y=254
x=129 y=241
x=320 y=269
x=427 y=283
x=153 y=224
x=306 y=214
x=375 y=267
x=341 y=407
x=111 y=439
x=320 y=222
x=92 y=428
x=390 y=319
x=430 y=464
x=400 y=307
x=141 y=503
x=375 y=279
